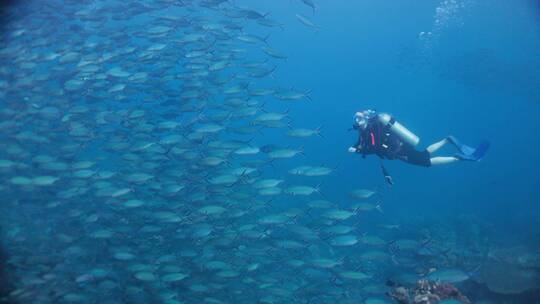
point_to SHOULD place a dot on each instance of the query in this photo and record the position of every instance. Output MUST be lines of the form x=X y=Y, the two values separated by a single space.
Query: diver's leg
x=443 y=160
x=436 y=146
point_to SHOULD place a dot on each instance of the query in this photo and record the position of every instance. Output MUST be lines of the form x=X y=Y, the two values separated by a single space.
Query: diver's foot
x=466 y=157
x=451 y=139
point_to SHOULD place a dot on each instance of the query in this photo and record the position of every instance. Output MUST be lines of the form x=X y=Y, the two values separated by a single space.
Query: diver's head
x=361 y=119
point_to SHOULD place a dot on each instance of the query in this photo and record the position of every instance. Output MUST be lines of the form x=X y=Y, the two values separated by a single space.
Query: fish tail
x=272 y=71
x=318 y=131
x=308 y=93
x=265 y=39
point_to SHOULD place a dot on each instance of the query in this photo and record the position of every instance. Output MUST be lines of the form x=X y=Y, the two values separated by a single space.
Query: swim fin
x=470 y=154
x=461 y=147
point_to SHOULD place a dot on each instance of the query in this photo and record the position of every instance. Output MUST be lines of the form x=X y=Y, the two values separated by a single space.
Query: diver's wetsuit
x=376 y=139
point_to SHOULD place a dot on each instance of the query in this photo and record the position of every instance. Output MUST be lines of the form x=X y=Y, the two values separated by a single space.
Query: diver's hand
x=352 y=149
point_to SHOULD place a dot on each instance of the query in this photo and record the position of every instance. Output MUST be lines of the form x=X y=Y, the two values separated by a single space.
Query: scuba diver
x=382 y=135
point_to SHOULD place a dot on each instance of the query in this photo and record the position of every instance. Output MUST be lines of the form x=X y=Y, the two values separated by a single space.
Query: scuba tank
x=398 y=129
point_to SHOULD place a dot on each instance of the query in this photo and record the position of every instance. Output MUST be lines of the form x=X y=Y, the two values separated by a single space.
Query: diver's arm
x=357 y=147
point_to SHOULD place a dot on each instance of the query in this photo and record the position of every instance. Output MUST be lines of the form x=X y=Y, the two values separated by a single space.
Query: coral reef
x=427 y=292
x=6 y=284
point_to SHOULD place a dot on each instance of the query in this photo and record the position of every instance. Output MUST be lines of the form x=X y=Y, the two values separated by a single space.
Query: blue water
x=466 y=68
x=478 y=79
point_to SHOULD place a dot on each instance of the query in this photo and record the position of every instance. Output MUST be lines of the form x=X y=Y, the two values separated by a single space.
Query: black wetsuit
x=378 y=140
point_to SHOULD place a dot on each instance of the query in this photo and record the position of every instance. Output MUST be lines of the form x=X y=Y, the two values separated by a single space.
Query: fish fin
x=308 y=93
x=271 y=163
x=272 y=71
x=265 y=39
x=318 y=131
